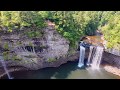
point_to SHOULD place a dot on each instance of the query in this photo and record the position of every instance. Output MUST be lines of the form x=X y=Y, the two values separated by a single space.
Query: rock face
x=113 y=51
x=34 y=53
x=48 y=50
x=114 y=60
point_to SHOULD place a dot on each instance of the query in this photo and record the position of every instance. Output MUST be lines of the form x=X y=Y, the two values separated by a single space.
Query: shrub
x=6 y=46
x=51 y=60
x=16 y=58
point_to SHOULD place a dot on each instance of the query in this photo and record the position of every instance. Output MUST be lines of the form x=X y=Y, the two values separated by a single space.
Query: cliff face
x=112 y=59
x=34 y=53
x=113 y=51
x=48 y=50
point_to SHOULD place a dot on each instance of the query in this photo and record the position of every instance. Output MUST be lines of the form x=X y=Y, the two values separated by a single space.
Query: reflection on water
x=66 y=71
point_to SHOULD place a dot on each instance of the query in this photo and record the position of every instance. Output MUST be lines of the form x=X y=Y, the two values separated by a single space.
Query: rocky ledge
x=112 y=69
x=113 y=60
x=11 y=69
x=46 y=50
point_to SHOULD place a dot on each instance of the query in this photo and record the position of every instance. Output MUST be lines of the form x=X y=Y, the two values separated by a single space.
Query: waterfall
x=82 y=55
x=5 y=68
x=33 y=49
x=90 y=55
x=96 y=60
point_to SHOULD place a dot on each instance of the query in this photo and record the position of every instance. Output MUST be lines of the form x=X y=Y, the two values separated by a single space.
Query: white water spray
x=97 y=58
x=90 y=55
x=5 y=68
x=82 y=55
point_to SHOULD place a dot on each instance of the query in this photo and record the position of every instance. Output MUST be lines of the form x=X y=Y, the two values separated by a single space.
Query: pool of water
x=69 y=70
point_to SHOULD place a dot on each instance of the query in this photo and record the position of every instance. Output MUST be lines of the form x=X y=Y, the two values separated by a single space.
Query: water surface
x=69 y=70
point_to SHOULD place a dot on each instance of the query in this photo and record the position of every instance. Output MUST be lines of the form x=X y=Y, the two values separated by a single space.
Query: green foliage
x=51 y=60
x=33 y=34
x=6 y=46
x=65 y=25
x=16 y=19
x=30 y=56
x=70 y=24
x=30 y=44
x=74 y=24
x=112 y=31
x=6 y=55
x=71 y=51
x=19 y=43
x=42 y=46
x=16 y=58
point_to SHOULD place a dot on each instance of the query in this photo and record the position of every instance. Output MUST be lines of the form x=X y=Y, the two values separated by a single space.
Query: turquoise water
x=69 y=70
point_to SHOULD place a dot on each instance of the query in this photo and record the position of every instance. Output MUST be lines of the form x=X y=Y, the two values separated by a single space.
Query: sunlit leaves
x=70 y=24
x=112 y=31
x=13 y=19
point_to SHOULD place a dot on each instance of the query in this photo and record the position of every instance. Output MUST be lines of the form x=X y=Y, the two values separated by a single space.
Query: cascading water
x=90 y=55
x=82 y=55
x=96 y=60
x=5 y=68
